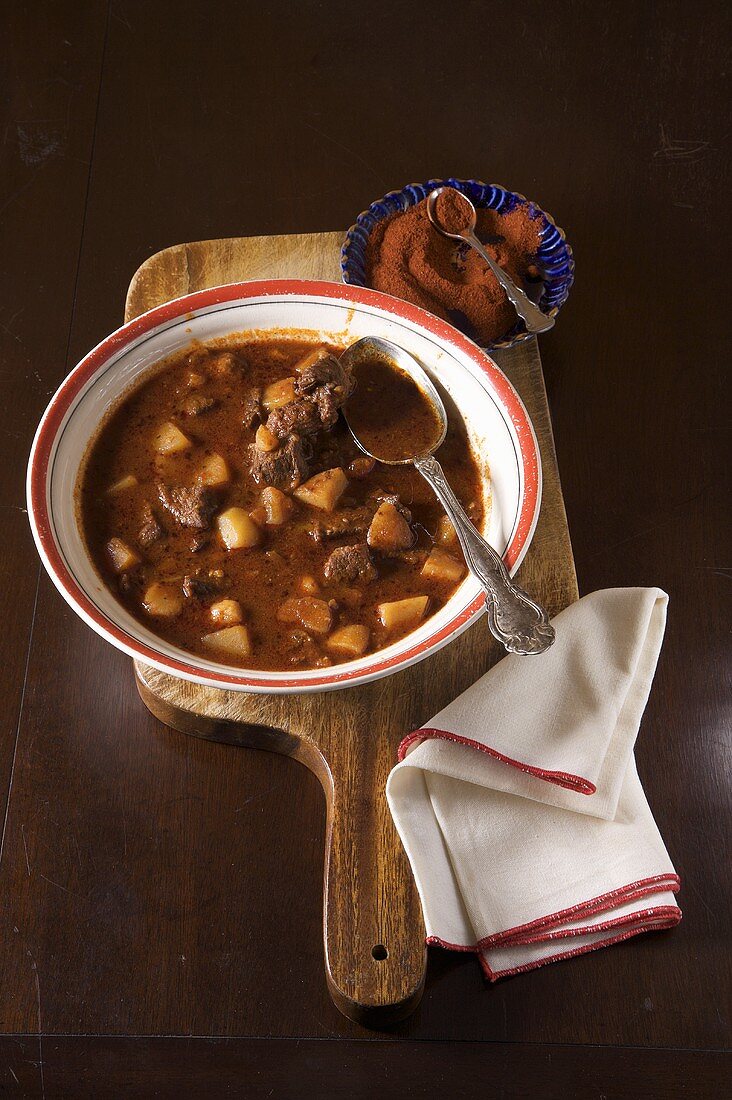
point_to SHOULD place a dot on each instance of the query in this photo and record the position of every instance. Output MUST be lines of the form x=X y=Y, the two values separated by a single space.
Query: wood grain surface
x=110 y=1067
x=375 y=956
x=133 y=858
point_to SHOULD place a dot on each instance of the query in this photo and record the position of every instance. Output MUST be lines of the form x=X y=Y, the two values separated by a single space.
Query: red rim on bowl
x=63 y=400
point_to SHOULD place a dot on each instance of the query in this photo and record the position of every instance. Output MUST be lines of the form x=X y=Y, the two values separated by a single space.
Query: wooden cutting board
x=375 y=953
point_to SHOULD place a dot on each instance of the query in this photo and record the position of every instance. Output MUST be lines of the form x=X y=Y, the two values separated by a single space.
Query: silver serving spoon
x=517 y=621
x=531 y=315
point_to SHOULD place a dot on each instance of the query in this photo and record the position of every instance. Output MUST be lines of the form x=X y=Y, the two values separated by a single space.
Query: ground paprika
x=408 y=258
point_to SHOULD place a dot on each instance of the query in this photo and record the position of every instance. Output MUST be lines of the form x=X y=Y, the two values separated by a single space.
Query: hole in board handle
x=379 y=952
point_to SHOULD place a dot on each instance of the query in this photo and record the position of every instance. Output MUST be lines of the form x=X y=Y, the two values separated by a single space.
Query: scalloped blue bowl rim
x=554 y=257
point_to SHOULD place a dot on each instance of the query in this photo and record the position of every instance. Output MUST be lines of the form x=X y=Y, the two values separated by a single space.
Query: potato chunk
x=402 y=614
x=232 y=641
x=349 y=641
x=443 y=567
x=121 y=555
x=214 y=471
x=278 y=393
x=313 y=614
x=226 y=612
x=265 y=440
x=127 y=482
x=277 y=506
x=170 y=440
x=308 y=585
x=238 y=530
x=389 y=530
x=446 y=534
x=324 y=490
x=163 y=600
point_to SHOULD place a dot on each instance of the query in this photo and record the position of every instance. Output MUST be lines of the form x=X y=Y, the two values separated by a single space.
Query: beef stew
x=226 y=505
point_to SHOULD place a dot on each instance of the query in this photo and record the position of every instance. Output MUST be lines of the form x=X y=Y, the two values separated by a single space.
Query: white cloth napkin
x=520 y=807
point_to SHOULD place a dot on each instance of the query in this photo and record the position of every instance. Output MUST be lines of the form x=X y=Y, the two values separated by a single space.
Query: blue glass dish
x=554 y=257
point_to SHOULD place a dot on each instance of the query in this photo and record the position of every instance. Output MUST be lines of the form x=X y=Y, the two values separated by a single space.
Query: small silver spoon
x=517 y=621
x=531 y=315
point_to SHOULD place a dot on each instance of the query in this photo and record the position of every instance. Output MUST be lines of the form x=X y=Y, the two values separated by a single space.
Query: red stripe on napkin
x=654 y=918
x=560 y=779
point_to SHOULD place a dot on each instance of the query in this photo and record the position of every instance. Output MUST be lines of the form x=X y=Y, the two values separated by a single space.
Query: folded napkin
x=520 y=807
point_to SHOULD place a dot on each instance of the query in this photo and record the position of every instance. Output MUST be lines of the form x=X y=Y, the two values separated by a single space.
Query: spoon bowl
x=471 y=215
x=372 y=348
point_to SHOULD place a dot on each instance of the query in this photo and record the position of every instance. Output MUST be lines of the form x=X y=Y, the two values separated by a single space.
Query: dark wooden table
x=160 y=897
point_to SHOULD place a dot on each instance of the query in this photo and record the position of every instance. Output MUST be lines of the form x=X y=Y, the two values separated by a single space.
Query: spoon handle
x=517 y=621
x=531 y=315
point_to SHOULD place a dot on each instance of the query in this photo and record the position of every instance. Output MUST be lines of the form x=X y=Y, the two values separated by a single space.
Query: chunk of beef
x=307 y=415
x=321 y=388
x=284 y=468
x=329 y=373
x=348 y=564
x=151 y=529
x=190 y=507
x=327 y=403
x=302 y=417
x=251 y=410
x=203 y=584
x=351 y=521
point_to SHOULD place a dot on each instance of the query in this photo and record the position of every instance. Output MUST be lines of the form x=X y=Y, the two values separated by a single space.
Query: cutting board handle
x=373 y=929
x=375 y=954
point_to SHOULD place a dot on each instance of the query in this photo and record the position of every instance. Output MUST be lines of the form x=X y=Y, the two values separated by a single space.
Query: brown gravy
x=388 y=412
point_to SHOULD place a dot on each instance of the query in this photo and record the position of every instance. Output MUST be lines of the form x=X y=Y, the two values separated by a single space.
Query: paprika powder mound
x=408 y=258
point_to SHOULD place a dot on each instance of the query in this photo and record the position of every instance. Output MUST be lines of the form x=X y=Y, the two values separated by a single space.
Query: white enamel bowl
x=498 y=426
